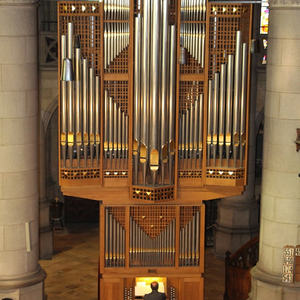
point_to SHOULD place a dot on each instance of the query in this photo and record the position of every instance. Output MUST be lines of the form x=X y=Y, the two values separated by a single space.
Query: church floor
x=72 y=272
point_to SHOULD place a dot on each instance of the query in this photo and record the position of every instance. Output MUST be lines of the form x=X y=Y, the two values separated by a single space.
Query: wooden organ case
x=154 y=109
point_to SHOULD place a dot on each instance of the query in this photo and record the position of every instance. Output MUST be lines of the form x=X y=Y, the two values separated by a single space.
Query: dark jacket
x=155 y=295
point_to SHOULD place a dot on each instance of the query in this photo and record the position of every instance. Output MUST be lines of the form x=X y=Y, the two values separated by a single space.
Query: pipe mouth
x=67 y=70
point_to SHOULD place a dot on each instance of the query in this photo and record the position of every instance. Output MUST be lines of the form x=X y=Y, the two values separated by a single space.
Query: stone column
x=21 y=277
x=280 y=203
x=46 y=233
x=237 y=220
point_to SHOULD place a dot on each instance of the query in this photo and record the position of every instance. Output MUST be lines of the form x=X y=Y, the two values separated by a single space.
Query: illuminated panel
x=143 y=285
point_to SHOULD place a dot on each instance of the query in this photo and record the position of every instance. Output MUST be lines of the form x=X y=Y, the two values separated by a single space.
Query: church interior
x=147 y=141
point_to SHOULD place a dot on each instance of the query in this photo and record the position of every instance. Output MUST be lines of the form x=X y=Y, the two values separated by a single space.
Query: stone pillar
x=46 y=233
x=21 y=277
x=280 y=203
x=237 y=220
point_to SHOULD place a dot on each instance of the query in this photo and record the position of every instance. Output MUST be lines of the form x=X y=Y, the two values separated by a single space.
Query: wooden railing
x=237 y=271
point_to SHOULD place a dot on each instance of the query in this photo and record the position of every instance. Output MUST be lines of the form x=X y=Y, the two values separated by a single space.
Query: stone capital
x=284 y=4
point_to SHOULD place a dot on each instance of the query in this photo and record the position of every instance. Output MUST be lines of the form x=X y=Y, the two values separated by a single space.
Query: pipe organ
x=153 y=119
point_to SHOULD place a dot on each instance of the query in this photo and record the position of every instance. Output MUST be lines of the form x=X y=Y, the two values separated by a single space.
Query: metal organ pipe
x=236 y=96
x=154 y=90
x=243 y=103
x=164 y=86
x=229 y=93
x=172 y=98
x=222 y=111
x=137 y=95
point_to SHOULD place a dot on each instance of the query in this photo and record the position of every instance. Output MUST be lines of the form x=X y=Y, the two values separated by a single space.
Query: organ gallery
x=153 y=120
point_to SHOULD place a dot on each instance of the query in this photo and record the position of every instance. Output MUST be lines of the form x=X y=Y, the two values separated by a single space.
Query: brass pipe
x=243 y=103
x=203 y=46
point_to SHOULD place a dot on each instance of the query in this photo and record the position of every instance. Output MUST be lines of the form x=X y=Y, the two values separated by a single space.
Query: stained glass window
x=264 y=17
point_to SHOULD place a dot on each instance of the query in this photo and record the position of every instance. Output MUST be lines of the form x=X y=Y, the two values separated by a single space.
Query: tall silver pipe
x=85 y=108
x=106 y=237
x=78 y=103
x=119 y=142
x=197 y=237
x=145 y=86
x=106 y=124
x=172 y=99
x=63 y=104
x=97 y=118
x=92 y=112
x=196 y=129
x=228 y=121
x=243 y=103
x=70 y=95
x=209 y=120
x=137 y=95
x=200 y=133
x=187 y=135
x=126 y=137
x=191 y=134
x=123 y=135
x=236 y=97
x=115 y=131
x=63 y=48
x=164 y=85
x=222 y=111
x=111 y=129
x=154 y=90
x=215 y=115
